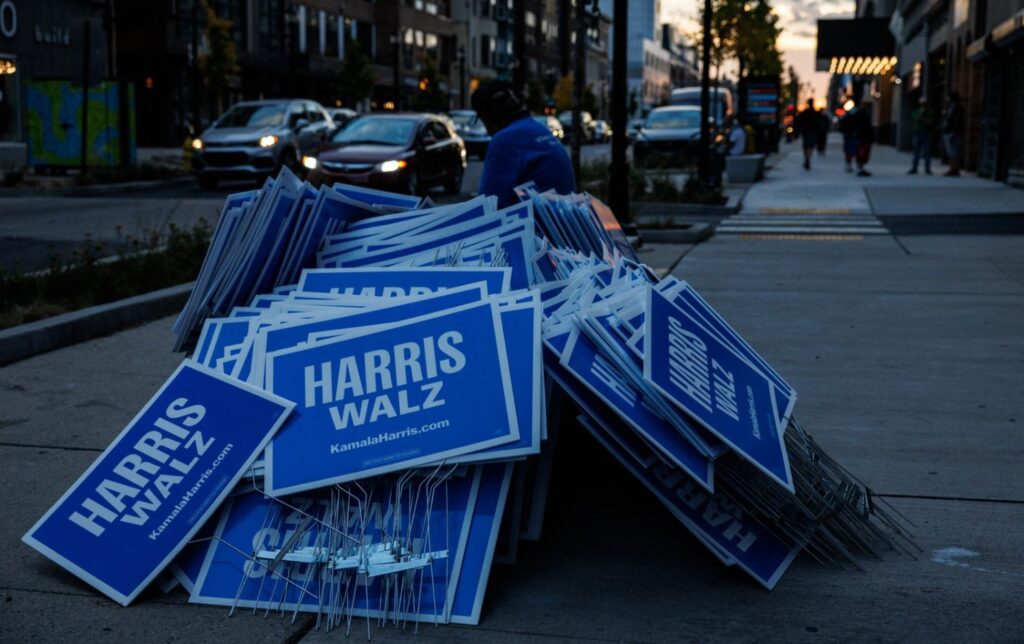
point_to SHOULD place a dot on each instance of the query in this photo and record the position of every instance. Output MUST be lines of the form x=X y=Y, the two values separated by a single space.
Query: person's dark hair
x=497 y=105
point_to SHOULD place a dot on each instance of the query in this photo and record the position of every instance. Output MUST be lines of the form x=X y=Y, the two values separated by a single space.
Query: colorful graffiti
x=53 y=115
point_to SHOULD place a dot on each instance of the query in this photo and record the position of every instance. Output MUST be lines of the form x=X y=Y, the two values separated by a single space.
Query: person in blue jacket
x=521 y=149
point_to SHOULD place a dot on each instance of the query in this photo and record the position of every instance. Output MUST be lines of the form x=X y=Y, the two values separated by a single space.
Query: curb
x=691 y=234
x=31 y=339
x=98 y=189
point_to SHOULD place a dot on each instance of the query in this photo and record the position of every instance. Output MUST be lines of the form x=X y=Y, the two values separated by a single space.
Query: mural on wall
x=53 y=119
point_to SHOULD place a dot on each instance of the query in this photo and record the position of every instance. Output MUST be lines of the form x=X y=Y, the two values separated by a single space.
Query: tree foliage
x=747 y=31
x=220 y=62
x=563 y=93
x=357 y=78
x=429 y=95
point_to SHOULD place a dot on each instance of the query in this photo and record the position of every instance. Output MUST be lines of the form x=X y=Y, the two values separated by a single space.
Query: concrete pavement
x=828 y=200
x=908 y=360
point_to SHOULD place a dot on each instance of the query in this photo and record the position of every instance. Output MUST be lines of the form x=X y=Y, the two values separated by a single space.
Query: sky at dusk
x=799 y=30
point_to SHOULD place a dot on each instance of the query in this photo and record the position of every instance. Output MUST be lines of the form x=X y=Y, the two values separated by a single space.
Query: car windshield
x=252 y=116
x=464 y=118
x=673 y=120
x=378 y=131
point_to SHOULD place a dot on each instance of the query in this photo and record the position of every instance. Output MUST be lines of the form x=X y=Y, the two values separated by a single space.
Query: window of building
x=419 y=38
x=321 y=26
x=300 y=18
x=531 y=19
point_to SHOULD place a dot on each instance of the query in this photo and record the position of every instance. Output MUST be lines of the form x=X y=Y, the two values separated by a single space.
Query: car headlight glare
x=309 y=162
x=197 y=144
x=268 y=141
x=392 y=166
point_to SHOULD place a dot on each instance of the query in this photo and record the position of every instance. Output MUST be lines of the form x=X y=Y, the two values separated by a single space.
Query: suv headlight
x=309 y=162
x=392 y=166
x=268 y=141
x=197 y=144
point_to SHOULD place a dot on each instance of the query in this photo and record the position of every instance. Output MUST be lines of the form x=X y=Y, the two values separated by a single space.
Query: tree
x=429 y=96
x=563 y=94
x=747 y=31
x=357 y=78
x=220 y=62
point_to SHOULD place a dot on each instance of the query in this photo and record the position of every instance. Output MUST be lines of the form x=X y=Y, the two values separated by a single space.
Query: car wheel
x=290 y=158
x=453 y=185
x=412 y=185
x=206 y=182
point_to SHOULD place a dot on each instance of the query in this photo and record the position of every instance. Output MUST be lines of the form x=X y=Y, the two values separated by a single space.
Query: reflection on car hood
x=236 y=134
x=362 y=152
x=670 y=134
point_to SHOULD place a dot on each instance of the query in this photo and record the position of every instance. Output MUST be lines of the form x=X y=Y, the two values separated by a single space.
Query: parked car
x=341 y=115
x=633 y=128
x=254 y=139
x=553 y=126
x=721 y=101
x=408 y=153
x=565 y=118
x=602 y=131
x=670 y=135
x=469 y=126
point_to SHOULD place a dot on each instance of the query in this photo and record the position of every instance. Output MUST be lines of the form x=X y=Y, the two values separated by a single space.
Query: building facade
x=974 y=48
x=48 y=48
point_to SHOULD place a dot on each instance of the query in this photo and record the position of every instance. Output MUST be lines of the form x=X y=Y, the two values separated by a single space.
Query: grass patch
x=649 y=185
x=88 y=276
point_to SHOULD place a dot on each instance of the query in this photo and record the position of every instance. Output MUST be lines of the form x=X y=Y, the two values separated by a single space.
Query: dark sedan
x=409 y=153
x=669 y=136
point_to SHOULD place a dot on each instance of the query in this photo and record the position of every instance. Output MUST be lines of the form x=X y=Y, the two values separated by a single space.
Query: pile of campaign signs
x=363 y=426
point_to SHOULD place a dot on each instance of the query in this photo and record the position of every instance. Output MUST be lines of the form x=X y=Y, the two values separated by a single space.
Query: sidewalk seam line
x=61 y=447
x=967 y=499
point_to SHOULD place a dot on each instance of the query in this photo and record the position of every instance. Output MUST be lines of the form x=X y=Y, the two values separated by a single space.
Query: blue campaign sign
x=399 y=282
x=373 y=197
x=714 y=386
x=495 y=479
x=391 y=398
x=253 y=522
x=582 y=359
x=131 y=512
x=729 y=532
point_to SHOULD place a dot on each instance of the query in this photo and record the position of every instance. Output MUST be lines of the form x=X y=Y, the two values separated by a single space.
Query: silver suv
x=253 y=139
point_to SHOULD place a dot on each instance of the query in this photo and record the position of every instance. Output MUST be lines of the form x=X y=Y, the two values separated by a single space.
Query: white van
x=720 y=98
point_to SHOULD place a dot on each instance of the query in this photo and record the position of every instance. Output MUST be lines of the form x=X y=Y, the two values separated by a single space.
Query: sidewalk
x=908 y=368
x=828 y=189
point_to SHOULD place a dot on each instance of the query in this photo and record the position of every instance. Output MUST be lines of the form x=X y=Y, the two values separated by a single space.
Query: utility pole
x=579 y=79
x=196 y=129
x=462 y=77
x=704 y=167
x=396 y=72
x=519 y=64
x=618 y=188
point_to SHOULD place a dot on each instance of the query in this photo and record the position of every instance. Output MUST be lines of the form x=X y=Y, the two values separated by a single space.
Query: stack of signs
x=346 y=437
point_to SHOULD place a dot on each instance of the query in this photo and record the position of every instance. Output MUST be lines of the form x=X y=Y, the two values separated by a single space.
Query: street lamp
x=462 y=77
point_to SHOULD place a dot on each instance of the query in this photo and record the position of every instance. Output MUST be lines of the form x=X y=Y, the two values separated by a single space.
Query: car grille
x=669 y=147
x=339 y=166
x=226 y=144
x=225 y=159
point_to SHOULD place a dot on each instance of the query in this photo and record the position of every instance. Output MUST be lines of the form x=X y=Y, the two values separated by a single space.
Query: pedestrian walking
x=952 y=127
x=864 y=131
x=808 y=124
x=846 y=124
x=923 y=120
x=823 y=128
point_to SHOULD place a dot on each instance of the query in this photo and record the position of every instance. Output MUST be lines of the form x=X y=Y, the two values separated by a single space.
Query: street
x=31 y=226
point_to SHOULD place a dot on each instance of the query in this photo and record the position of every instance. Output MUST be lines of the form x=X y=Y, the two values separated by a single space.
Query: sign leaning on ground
x=156 y=484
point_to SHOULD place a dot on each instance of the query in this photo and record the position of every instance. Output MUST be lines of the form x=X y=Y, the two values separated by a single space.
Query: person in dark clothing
x=923 y=119
x=826 y=125
x=952 y=127
x=808 y=124
x=846 y=124
x=521 y=149
x=864 y=131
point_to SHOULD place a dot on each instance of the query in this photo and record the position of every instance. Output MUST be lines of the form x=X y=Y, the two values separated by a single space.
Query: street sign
x=138 y=504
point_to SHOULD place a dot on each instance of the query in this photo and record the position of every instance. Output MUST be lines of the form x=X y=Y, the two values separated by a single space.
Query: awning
x=860 y=46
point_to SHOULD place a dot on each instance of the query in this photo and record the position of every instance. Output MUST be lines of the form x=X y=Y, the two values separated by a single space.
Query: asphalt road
x=35 y=226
